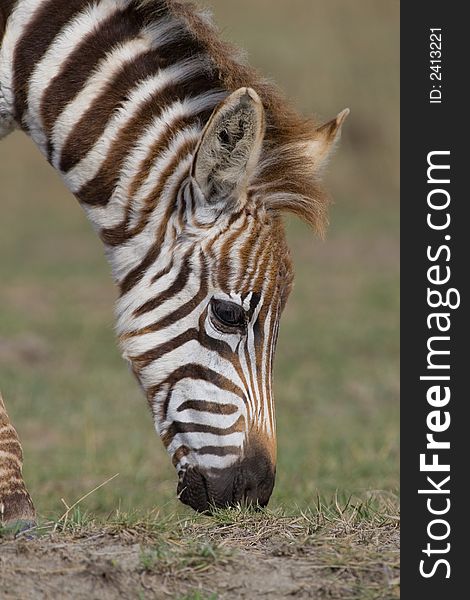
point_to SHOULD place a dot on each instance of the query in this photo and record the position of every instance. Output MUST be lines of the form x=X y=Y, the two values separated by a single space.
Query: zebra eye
x=228 y=313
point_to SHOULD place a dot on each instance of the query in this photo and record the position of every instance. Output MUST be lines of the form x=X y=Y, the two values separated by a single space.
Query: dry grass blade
x=63 y=519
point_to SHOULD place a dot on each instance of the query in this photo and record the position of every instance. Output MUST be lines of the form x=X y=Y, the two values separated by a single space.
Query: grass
x=345 y=549
x=79 y=412
x=197 y=595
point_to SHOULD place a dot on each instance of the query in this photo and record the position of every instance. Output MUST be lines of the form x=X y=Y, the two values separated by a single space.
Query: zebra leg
x=16 y=507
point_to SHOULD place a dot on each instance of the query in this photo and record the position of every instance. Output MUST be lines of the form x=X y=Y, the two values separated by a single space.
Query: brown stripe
x=179 y=454
x=269 y=300
x=15 y=502
x=182 y=312
x=164 y=271
x=117 y=29
x=5 y=11
x=225 y=264
x=218 y=450
x=222 y=348
x=261 y=274
x=178 y=427
x=115 y=236
x=250 y=386
x=7 y=7
x=209 y=407
x=98 y=191
x=258 y=334
x=195 y=372
x=182 y=199
x=162 y=143
x=11 y=444
x=258 y=331
x=209 y=246
x=151 y=356
x=192 y=195
x=11 y=464
x=92 y=124
x=36 y=39
x=136 y=274
x=252 y=245
x=175 y=288
x=273 y=337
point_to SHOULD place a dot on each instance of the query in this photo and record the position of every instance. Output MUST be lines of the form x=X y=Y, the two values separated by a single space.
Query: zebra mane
x=287 y=178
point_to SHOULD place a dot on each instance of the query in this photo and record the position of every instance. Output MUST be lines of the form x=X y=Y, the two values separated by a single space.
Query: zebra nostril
x=193 y=491
x=253 y=481
x=257 y=492
x=258 y=480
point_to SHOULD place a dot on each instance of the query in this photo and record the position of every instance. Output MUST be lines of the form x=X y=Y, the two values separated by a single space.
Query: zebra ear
x=230 y=147
x=326 y=138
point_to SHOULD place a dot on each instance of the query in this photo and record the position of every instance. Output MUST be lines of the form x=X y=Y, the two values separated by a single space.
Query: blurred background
x=79 y=411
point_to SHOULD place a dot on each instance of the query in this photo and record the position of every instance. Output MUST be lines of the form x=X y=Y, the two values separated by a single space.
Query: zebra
x=16 y=506
x=184 y=159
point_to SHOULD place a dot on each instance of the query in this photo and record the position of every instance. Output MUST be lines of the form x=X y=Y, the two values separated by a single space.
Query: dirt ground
x=293 y=558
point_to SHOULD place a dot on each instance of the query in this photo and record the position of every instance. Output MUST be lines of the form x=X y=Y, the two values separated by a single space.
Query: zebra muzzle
x=248 y=482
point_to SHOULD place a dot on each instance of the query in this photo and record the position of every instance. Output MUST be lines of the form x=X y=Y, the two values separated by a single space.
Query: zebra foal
x=15 y=502
x=184 y=159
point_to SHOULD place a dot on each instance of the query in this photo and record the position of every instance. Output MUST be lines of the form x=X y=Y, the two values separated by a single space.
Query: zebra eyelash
x=228 y=316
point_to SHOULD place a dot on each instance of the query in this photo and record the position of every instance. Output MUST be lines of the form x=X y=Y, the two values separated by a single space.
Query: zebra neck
x=116 y=101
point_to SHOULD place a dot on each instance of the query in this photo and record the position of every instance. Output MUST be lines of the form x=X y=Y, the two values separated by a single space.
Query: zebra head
x=203 y=345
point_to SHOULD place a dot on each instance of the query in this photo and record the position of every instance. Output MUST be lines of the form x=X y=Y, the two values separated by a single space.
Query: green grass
x=197 y=595
x=79 y=412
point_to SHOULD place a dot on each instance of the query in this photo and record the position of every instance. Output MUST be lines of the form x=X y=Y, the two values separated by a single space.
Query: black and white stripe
x=117 y=102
